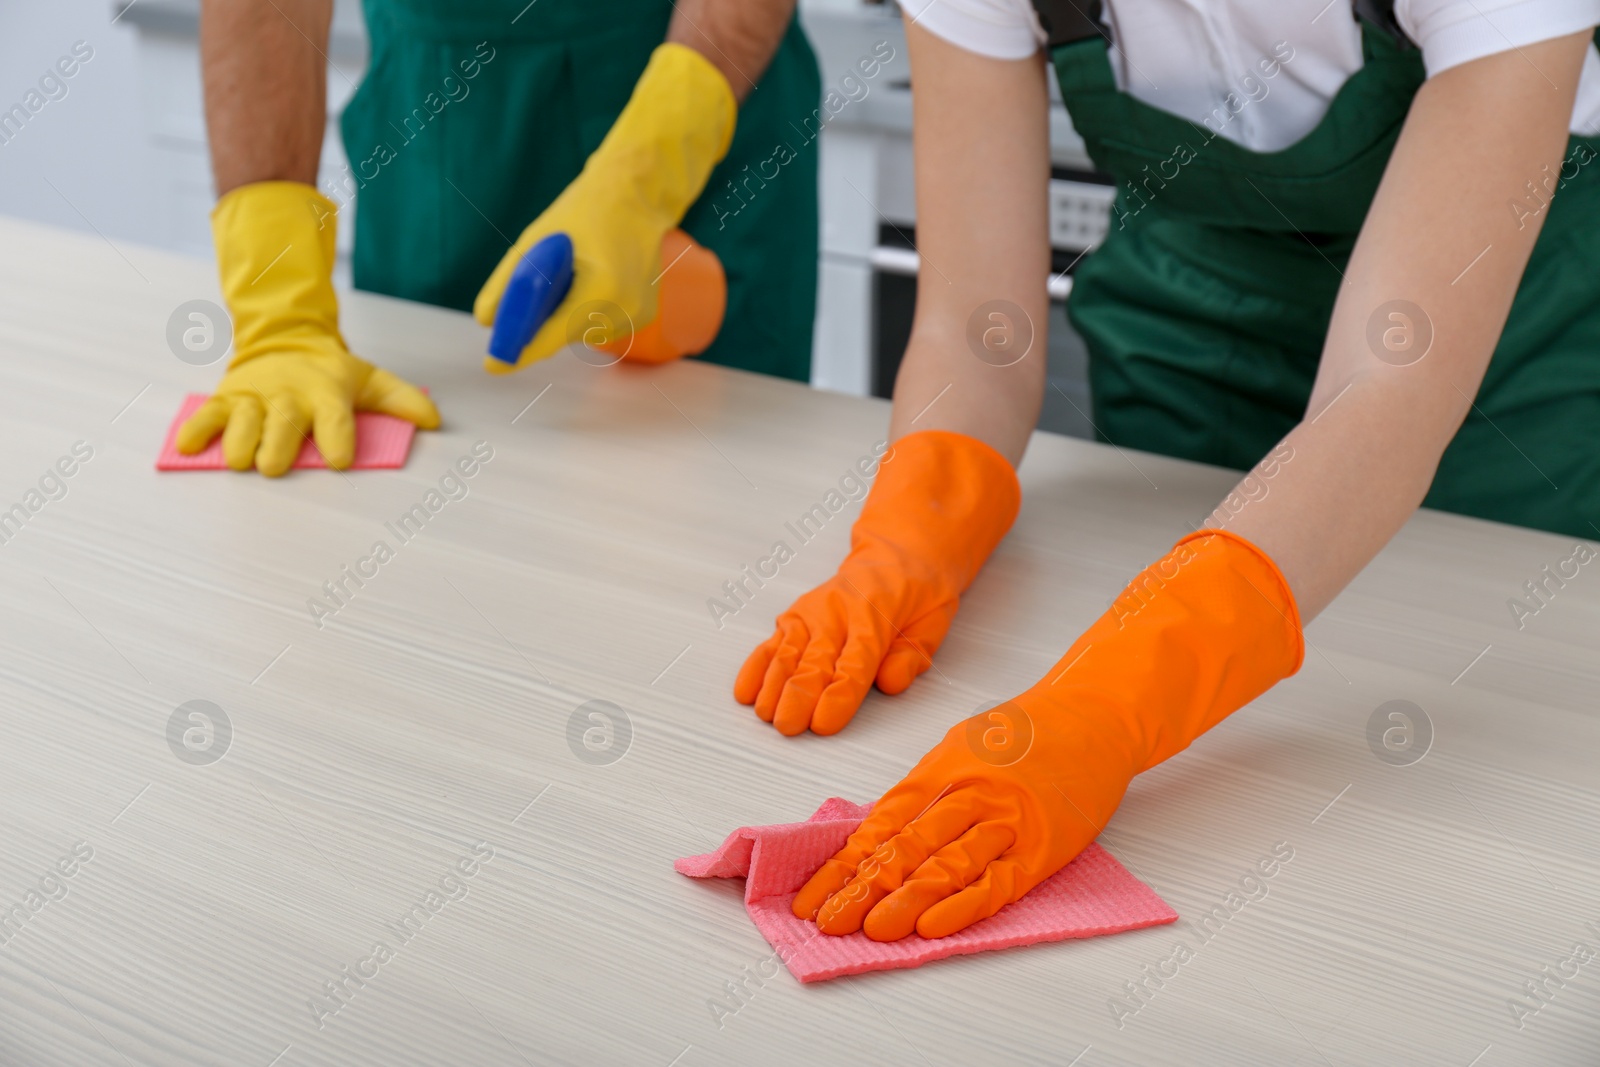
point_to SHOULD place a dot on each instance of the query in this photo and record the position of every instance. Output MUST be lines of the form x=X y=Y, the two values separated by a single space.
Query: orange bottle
x=692 y=299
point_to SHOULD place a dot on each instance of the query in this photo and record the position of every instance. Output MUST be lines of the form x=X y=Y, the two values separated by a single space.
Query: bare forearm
x=737 y=36
x=976 y=360
x=1333 y=493
x=1441 y=250
x=264 y=67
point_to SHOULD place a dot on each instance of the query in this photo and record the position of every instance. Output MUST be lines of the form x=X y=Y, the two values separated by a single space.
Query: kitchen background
x=133 y=112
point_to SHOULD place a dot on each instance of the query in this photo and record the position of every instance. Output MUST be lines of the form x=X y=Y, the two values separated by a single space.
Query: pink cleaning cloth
x=1092 y=895
x=382 y=442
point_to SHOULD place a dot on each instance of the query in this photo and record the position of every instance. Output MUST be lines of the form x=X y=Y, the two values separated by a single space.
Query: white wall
x=90 y=144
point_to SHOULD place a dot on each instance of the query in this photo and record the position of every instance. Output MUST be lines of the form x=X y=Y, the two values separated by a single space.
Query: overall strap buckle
x=1069 y=21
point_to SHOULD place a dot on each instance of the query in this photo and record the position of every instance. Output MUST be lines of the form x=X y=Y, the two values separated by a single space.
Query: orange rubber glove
x=1011 y=796
x=941 y=504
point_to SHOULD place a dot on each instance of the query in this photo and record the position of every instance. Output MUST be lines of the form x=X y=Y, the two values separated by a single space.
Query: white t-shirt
x=1187 y=56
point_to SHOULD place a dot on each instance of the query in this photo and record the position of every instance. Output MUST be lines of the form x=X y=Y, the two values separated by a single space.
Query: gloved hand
x=1011 y=796
x=636 y=186
x=941 y=504
x=291 y=371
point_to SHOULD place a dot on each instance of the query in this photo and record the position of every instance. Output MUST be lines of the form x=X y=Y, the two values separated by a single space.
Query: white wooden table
x=430 y=717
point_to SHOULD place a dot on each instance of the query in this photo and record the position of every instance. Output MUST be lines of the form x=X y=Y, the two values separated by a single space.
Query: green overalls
x=1205 y=310
x=475 y=114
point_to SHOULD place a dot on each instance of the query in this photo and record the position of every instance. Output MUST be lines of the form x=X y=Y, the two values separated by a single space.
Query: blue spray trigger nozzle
x=537 y=286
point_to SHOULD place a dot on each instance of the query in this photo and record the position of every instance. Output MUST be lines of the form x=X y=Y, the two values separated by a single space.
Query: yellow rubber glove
x=648 y=171
x=1011 y=796
x=291 y=371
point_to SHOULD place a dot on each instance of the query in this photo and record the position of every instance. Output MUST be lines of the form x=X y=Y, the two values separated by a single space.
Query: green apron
x=1206 y=308
x=475 y=114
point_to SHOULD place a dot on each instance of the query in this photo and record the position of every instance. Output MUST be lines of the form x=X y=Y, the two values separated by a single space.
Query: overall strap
x=1380 y=13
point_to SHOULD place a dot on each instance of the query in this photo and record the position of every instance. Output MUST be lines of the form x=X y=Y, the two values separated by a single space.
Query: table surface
x=429 y=718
